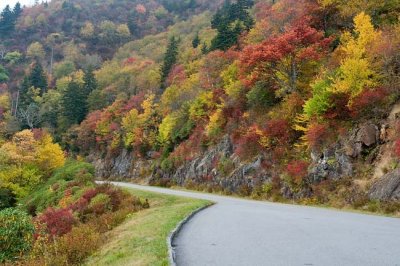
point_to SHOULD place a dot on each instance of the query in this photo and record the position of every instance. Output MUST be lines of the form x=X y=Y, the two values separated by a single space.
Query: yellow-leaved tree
x=355 y=72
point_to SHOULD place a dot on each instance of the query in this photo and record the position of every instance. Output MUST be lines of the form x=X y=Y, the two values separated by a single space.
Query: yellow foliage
x=217 y=120
x=166 y=128
x=233 y=87
x=355 y=72
x=49 y=155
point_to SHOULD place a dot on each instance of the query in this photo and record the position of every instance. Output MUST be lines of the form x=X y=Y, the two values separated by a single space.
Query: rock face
x=336 y=161
x=205 y=169
x=124 y=165
x=331 y=163
x=387 y=188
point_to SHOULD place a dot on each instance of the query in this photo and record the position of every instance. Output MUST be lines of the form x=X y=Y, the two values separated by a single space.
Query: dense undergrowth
x=68 y=217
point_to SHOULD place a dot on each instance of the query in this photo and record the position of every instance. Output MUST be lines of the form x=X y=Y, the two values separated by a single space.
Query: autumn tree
x=355 y=72
x=288 y=60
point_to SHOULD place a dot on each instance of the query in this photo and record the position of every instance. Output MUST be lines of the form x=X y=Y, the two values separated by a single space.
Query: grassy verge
x=141 y=240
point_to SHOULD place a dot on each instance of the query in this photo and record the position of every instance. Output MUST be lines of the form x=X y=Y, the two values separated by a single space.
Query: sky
x=12 y=3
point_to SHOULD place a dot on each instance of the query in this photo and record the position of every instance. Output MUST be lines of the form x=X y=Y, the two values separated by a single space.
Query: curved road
x=251 y=233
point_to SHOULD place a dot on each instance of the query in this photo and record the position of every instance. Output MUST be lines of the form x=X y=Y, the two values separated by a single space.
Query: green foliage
x=64 y=69
x=13 y=57
x=320 y=101
x=16 y=234
x=230 y=21
x=7 y=198
x=3 y=74
x=261 y=96
x=74 y=106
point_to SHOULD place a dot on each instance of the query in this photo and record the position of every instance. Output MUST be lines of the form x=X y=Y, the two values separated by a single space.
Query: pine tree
x=230 y=21
x=196 y=41
x=37 y=78
x=7 y=21
x=90 y=83
x=170 y=59
x=74 y=103
x=17 y=11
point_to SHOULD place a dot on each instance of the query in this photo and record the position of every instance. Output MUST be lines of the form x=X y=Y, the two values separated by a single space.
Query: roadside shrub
x=225 y=166
x=100 y=204
x=16 y=234
x=297 y=170
x=7 y=198
x=78 y=244
x=58 y=222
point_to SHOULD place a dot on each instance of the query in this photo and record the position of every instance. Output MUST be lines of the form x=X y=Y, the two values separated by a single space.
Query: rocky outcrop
x=331 y=163
x=387 y=188
x=204 y=169
x=336 y=161
x=123 y=165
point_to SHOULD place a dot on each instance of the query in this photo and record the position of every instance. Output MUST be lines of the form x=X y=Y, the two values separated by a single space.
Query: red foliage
x=89 y=194
x=248 y=144
x=397 y=148
x=316 y=135
x=300 y=41
x=339 y=109
x=177 y=75
x=367 y=100
x=129 y=61
x=278 y=130
x=297 y=170
x=58 y=222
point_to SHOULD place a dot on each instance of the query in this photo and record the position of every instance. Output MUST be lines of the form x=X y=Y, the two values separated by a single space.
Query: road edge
x=177 y=229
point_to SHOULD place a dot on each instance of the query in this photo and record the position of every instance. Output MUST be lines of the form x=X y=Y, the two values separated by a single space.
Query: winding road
x=251 y=233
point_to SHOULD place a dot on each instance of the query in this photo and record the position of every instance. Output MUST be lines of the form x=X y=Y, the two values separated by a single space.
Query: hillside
x=289 y=100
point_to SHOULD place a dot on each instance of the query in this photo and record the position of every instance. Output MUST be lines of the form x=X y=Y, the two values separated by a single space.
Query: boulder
x=368 y=135
x=387 y=188
x=331 y=163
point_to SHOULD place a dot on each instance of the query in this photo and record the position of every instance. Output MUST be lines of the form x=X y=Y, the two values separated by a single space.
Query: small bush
x=7 y=198
x=16 y=234
x=297 y=170
x=58 y=222
x=100 y=204
x=78 y=244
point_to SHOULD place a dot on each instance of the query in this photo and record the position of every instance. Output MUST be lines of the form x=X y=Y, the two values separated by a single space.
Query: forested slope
x=271 y=99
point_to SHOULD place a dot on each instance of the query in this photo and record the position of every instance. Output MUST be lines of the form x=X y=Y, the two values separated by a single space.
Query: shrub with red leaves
x=397 y=148
x=297 y=170
x=278 y=130
x=369 y=101
x=316 y=135
x=248 y=144
x=58 y=221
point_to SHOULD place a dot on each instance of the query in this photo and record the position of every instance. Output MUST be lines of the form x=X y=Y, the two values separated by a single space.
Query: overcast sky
x=12 y=3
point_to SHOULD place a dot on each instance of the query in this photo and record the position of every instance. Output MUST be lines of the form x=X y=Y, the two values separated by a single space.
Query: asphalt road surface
x=250 y=233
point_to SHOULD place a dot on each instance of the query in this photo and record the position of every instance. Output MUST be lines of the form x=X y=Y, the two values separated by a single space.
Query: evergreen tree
x=170 y=59
x=196 y=41
x=230 y=21
x=24 y=97
x=7 y=21
x=74 y=103
x=90 y=83
x=17 y=11
x=37 y=78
